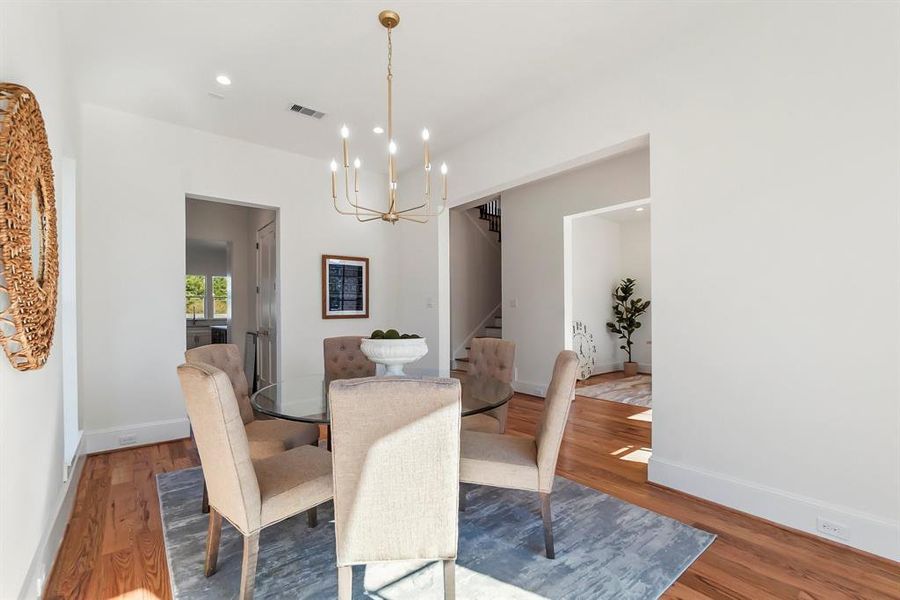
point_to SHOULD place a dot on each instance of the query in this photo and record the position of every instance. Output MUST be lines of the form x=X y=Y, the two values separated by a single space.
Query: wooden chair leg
x=548 y=524
x=248 y=565
x=345 y=583
x=462 y=498
x=213 y=536
x=204 y=505
x=449 y=579
x=312 y=517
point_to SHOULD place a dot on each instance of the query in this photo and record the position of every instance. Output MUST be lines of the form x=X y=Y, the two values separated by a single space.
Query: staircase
x=493 y=330
x=490 y=212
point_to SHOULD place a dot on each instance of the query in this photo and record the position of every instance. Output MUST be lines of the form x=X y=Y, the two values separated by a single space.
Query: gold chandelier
x=420 y=213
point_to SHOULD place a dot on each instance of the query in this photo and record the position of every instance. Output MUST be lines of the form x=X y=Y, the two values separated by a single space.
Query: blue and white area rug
x=605 y=548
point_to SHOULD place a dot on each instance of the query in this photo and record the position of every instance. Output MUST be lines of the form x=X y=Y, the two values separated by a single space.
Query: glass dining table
x=305 y=398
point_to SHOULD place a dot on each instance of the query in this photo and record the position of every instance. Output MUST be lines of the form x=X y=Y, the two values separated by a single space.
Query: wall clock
x=28 y=245
x=584 y=346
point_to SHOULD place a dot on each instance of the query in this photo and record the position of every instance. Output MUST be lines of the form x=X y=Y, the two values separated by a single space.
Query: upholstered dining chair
x=345 y=360
x=522 y=463
x=266 y=436
x=250 y=494
x=395 y=453
x=491 y=357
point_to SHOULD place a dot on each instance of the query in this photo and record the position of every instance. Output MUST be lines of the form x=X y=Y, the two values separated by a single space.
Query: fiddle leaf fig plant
x=626 y=311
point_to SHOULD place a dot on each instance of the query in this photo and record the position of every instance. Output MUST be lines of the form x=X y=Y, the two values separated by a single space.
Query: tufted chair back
x=226 y=357
x=493 y=358
x=344 y=359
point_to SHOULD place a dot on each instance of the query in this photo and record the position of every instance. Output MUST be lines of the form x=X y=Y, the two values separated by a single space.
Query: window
x=221 y=289
x=195 y=296
x=207 y=297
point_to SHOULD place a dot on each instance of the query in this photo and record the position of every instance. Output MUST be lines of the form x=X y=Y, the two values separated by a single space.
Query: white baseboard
x=45 y=555
x=866 y=532
x=617 y=366
x=532 y=389
x=101 y=440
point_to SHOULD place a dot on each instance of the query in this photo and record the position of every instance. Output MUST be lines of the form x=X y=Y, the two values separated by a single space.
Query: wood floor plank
x=114 y=546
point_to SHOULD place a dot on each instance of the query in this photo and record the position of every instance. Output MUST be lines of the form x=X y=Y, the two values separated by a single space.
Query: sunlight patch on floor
x=646 y=415
x=632 y=454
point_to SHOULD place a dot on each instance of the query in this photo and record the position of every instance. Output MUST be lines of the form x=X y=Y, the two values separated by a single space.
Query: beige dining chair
x=266 y=436
x=490 y=357
x=395 y=453
x=250 y=494
x=524 y=463
x=345 y=360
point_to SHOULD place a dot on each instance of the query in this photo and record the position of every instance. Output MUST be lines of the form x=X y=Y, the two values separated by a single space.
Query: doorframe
x=568 y=257
x=276 y=295
x=279 y=349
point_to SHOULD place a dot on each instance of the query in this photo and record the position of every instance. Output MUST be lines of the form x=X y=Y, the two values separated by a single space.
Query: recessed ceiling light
x=378 y=129
x=223 y=80
x=639 y=209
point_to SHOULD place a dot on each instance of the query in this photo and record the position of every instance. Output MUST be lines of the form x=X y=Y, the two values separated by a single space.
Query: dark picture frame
x=345 y=287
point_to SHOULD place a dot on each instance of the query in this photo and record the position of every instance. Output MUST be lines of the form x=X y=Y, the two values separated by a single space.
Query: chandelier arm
x=347 y=212
x=426 y=214
x=413 y=219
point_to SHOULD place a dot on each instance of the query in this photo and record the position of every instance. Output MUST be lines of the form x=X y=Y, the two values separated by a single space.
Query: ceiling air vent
x=309 y=112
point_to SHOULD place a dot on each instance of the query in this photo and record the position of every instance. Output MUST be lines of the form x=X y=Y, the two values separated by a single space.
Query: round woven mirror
x=28 y=245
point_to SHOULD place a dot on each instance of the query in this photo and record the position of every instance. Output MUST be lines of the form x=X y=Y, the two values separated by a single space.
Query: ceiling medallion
x=420 y=213
x=28 y=245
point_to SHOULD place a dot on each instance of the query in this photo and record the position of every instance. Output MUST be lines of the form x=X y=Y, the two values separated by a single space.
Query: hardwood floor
x=113 y=546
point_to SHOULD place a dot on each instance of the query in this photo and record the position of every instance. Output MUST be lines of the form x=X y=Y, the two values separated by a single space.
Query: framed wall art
x=345 y=287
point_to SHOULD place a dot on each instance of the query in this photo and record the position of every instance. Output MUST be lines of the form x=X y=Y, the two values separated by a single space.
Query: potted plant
x=627 y=311
x=393 y=350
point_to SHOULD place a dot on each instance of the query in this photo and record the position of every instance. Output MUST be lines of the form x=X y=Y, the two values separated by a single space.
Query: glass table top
x=304 y=398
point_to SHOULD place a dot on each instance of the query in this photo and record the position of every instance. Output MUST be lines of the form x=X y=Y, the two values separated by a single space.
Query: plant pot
x=631 y=369
x=393 y=354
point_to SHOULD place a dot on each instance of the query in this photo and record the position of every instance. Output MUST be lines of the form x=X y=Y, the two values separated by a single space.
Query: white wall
x=135 y=175
x=775 y=186
x=474 y=277
x=533 y=255
x=596 y=265
x=32 y=490
x=635 y=253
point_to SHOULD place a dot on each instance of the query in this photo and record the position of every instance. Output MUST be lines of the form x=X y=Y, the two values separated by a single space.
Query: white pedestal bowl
x=393 y=354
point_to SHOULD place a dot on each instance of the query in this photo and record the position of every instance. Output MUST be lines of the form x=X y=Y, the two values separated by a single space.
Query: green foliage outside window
x=221 y=298
x=195 y=296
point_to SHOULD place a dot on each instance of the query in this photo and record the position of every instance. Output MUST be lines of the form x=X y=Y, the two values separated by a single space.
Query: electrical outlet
x=832 y=529
x=127 y=440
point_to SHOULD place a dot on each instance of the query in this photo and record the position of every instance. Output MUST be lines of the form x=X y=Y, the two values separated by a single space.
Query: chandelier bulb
x=333 y=166
x=345 y=133
x=443 y=168
x=357 y=163
x=392 y=147
x=425 y=134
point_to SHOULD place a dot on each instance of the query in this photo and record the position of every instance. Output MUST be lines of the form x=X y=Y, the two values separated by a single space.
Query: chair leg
x=449 y=579
x=204 y=505
x=248 y=565
x=462 y=498
x=312 y=517
x=548 y=524
x=213 y=536
x=345 y=583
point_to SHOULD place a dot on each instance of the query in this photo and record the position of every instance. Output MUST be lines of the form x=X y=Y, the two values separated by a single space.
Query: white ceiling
x=459 y=67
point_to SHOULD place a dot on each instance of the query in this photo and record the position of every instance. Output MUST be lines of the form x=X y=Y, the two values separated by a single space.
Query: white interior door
x=266 y=308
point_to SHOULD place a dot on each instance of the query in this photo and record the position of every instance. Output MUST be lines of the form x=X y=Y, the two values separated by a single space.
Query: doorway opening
x=231 y=282
x=605 y=249
x=475 y=276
